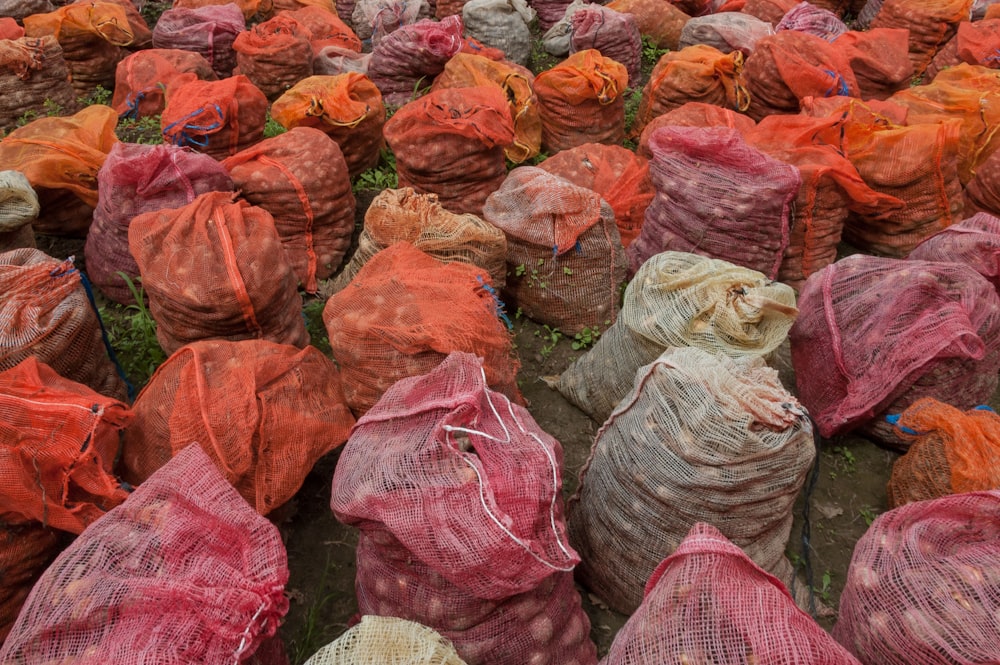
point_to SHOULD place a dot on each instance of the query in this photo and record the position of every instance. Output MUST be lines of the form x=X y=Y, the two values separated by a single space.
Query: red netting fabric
x=209 y=30
x=218 y=118
x=693 y=114
x=879 y=59
x=973 y=43
x=658 y=20
x=726 y=32
x=770 y=11
x=974 y=242
x=413 y=53
x=144 y=79
x=931 y=24
x=275 y=54
x=26 y=550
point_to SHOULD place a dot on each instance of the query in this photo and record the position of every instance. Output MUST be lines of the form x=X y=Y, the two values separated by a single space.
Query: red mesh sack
x=717 y=196
x=216 y=269
x=693 y=114
x=693 y=74
x=565 y=262
x=249 y=8
x=658 y=20
x=275 y=54
x=59 y=441
x=974 y=242
x=403 y=313
x=451 y=143
x=209 y=30
x=806 y=17
x=457 y=493
x=347 y=107
x=709 y=602
x=726 y=32
x=613 y=34
x=301 y=178
x=879 y=59
x=263 y=412
x=136 y=179
x=841 y=8
x=951 y=452
x=770 y=11
x=618 y=175
x=26 y=550
x=325 y=26
x=580 y=101
x=983 y=192
x=973 y=43
x=412 y=56
x=922 y=584
x=33 y=75
x=218 y=118
x=278 y=6
x=61 y=157
x=48 y=316
x=931 y=24
x=144 y=79
x=185 y=567
x=851 y=364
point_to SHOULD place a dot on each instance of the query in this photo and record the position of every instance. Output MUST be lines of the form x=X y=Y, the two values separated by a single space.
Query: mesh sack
x=556 y=39
x=974 y=242
x=853 y=316
x=185 y=567
x=18 y=202
x=709 y=602
x=551 y=12
x=209 y=30
x=374 y=19
x=144 y=79
x=379 y=640
x=263 y=412
x=48 y=316
x=842 y=8
x=412 y=55
x=658 y=20
x=922 y=586
x=931 y=24
x=17 y=10
x=580 y=100
x=973 y=43
x=216 y=269
x=980 y=8
x=565 y=261
x=348 y=108
x=402 y=215
x=11 y=29
x=649 y=478
x=771 y=11
x=879 y=59
x=279 y=6
x=218 y=118
x=806 y=17
x=699 y=7
x=325 y=27
x=403 y=313
x=33 y=75
x=983 y=192
x=718 y=196
x=992 y=11
x=301 y=178
x=693 y=74
x=693 y=114
x=501 y=24
x=25 y=552
x=869 y=10
x=678 y=299
x=136 y=179
x=59 y=441
x=451 y=143
x=61 y=156
x=274 y=55
x=726 y=32
x=951 y=452
x=333 y=60
x=613 y=34
x=249 y=8
x=618 y=175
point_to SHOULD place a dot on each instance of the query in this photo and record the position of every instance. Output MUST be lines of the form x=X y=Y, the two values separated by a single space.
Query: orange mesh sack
x=403 y=313
x=61 y=158
x=451 y=143
x=874 y=335
x=992 y=12
x=218 y=118
x=693 y=74
x=613 y=34
x=659 y=20
x=26 y=550
x=974 y=242
x=325 y=27
x=565 y=261
x=879 y=59
x=48 y=316
x=32 y=74
x=951 y=452
x=973 y=43
x=216 y=269
x=931 y=24
x=263 y=412
x=275 y=54
x=209 y=31
x=678 y=299
x=249 y=8
x=402 y=215
x=694 y=114
x=580 y=101
x=301 y=178
x=144 y=79
x=412 y=56
x=771 y=11
x=59 y=441
x=347 y=107
x=656 y=469
x=983 y=192
x=726 y=32
x=618 y=175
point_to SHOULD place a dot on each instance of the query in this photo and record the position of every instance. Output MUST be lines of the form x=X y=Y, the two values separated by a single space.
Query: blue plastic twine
x=183 y=138
x=496 y=299
x=839 y=86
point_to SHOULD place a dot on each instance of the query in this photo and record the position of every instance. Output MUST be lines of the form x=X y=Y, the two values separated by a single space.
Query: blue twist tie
x=893 y=419
x=183 y=138
x=839 y=86
x=496 y=299
x=983 y=407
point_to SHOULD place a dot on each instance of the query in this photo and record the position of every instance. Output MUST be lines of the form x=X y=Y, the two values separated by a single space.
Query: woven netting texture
x=275 y=54
x=842 y=8
x=875 y=334
x=404 y=312
x=973 y=43
x=347 y=107
x=19 y=9
x=26 y=550
x=952 y=452
x=661 y=22
x=411 y=53
x=184 y=543
x=209 y=30
x=718 y=196
x=301 y=178
x=501 y=24
x=614 y=34
x=982 y=194
x=403 y=215
x=727 y=32
x=334 y=60
x=555 y=40
x=216 y=269
x=565 y=261
x=879 y=59
x=49 y=317
x=931 y=24
x=218 y=118
x=374 y=19
x=9 y=27
x=325 y=27
x=549 y=12
x=379 y=640
x=451 y=142
x=144 y=79
x=136 y=179
x=699 y=438
x=806 y=17
x=693 y=114
x=770 y=11
x=263 y=412
x=974 y=242
x=922 y=586
x=248 y=7
x=18 y=201
x=32 y=70
x=58 y=442
x=708 y=602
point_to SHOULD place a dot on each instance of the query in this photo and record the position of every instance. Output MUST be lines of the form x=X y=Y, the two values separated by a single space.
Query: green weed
x=381 y=176
x=825 y=588
x=145 y=130
x=314 y=633
x=551 y=336
x=318 y=336
x=133 y=336
x=868 y=514
x=586 y=337
x=99 y=96
x=272 y=128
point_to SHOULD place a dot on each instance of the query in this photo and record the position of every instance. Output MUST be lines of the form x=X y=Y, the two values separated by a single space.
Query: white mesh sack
x=388 y=641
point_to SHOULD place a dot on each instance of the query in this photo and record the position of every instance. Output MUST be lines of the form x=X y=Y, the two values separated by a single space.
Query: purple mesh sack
x=614 y=34
x=805 y=17
x=974 y=241
x=209 y=30
x=412 y=55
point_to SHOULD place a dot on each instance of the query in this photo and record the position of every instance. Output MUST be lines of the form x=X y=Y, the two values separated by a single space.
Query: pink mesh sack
x=413 y=55
x=876 y=334
x=614 y=34
x=133 y=180
x=693 y=114
x=183 y=572
x=709 y=602
x=922 y=586
x=716 y=196
x=806 y=17
x=974 y=242
x=209 y=30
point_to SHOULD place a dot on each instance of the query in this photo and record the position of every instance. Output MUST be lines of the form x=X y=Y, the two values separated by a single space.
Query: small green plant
x=825 y=588
x=381 y=176
x=99 y=95
x=272 y=127
x=868 y=514
x=314 y=632
x=586 y=338
x=651 y=53
x=633 y=97
x=318 y=336
x=848 y=460
x=50 y=107
x=145 y=130
x=133 y=335
x=551 y=336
